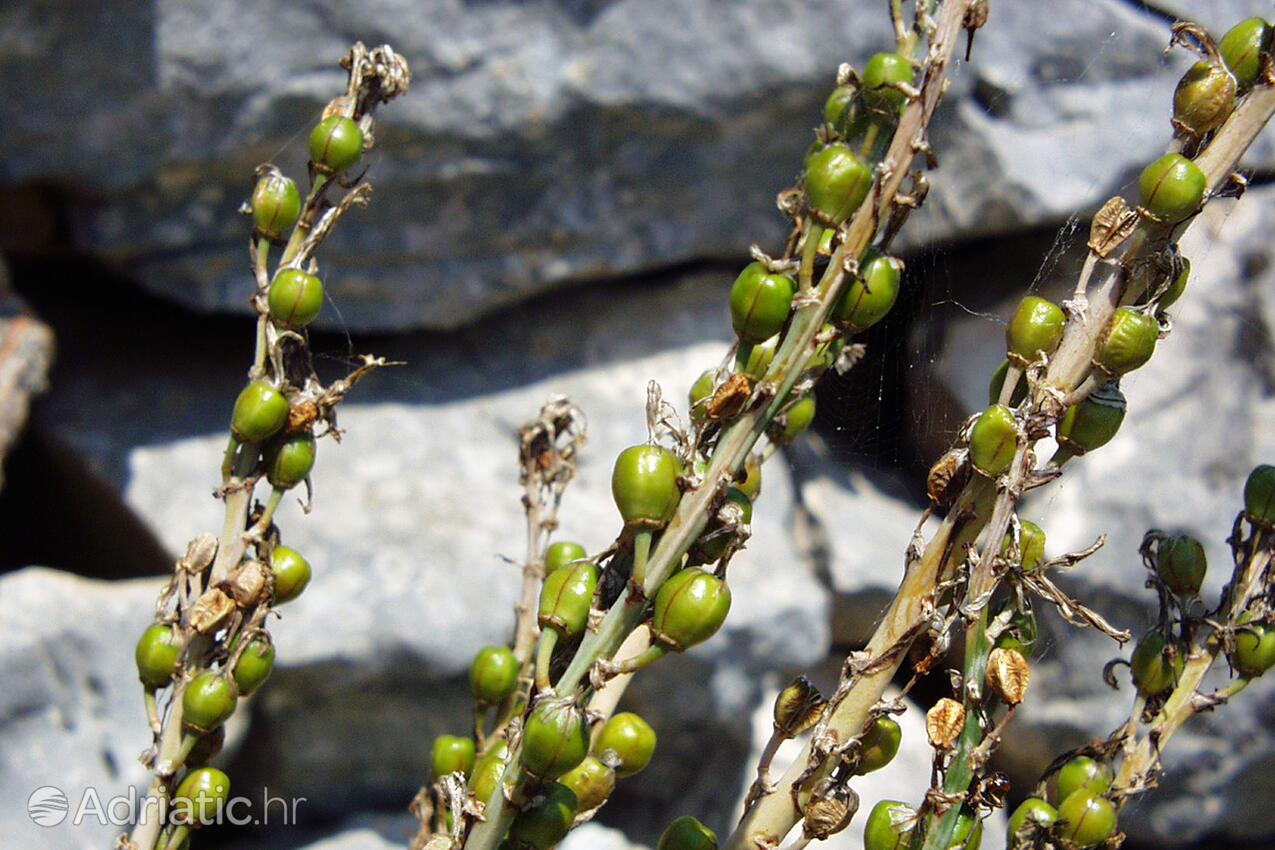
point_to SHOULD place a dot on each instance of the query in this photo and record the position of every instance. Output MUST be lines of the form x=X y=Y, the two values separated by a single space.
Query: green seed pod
x=1203 y=99
x=760 y=303
x=759 y=359
x=1031 y=545
x=1082 y=772
x=749 y=483
x=555 y=738
x=689 y=609
x=1128 y=342
x=487 y=772
x=260 y=412
x=1087 y=819
x=1035 y=330
x=336 y=144
x=591 y=781
x=844 y=112
x=686 y=833
x=798 y=707
x=208 y=702
x=644 y=485
x=1242 y=48
x=295 y=298
x=452 y=754
x=998 y=383
x=630 y=739
x=713 y=544
x=494 y=674
x=1154 y=672
x=157 y=654
x=1254 y=649
x=559 y=554
x=1172 y=188
x=567 y=596
x=1259 y=496
x=254 y=665
x=291 y=574
x=889 y=826
x=837 y=181
x=796 y=420
x=290 y=460
x=827 y=352
x=993 y=441
x=1180 y=562
x=879 y=744
x=200 y=797
x=868 y=297
x=1021 y=634
x=1093 y=422
x=1032 y=814
x=883 y=72
x=1170 y=296
x=701 y=392
x=546 y=821
x=276 y=204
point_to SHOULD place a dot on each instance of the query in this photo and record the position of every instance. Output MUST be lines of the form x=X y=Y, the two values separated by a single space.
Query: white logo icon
x=47 y=806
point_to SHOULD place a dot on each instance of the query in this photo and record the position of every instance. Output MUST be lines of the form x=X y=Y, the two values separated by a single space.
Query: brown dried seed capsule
x=210 y=611
x=798 y=707
x=826 y=816
x=1008 y=675
x=948 y=477
x=248 y=584
x=200 y=553
x=729 y=399
x=944 y=722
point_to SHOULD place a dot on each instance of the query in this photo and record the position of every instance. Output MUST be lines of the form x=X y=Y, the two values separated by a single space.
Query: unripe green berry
x=889 y=826
x=452 y=754
x=336 y=144
x=1083 y=772
x=759 y=359
x=701 y=392
x=260 y=412
x=689 y=609
x=686 y=833
x=1242 y=48
x=254 y=665
x=993 y=441
x=289 y=461
x=295 y=298
x=1176 y=288
x=827 y=352
x=997 y=384
x=845 y=113
x=1035 y=330
x=644 y=485
x=1021 y=634
x=546 y=821
x=1172 y=188
x=1031 y=545
x=880 y=76
x=868 y=297
x=1254 y=649
x=488 y=771
x=630 y=739
x=157 y=654
x=200 y=797
x=559 y=554
x=1180 y=562
x=591 y=781
x=494 y=674
x=760 y=302
x=1154 y=672
x=291 y=574
x=567 y=597
x=713 y=544
x=1034 y=812
x=1093 y=422
x=555 y=739
x=208 y=702
x=1087 y=819
x=1259 y=495
x=879 y=744
x=796 y=420
x=837 y=181
x=1128 y=342
x=276 y=205
x=1204 y=98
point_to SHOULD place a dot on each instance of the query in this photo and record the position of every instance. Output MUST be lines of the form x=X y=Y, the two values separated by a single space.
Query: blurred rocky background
x=561 y=203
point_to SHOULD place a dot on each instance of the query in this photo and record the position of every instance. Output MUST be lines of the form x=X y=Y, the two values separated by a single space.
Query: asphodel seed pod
x=1093 y=422
x=210 y=611
x=248 y=583
x=1259 y=496
x=1203 y=99
x=798 y=707
x=1008 y=675
x=1035 y=330
x=837 y=181
x=1181 y=564
x=947 y=477
x=1127 y=343
x=1242 y=48
x=944 y=722
x=993 y=441
x=825 y=816
x=1172 y=188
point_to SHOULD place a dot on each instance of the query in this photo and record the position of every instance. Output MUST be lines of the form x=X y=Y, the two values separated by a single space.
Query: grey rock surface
x=541 y=143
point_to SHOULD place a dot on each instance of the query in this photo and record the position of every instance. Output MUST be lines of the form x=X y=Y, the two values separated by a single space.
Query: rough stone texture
x=541 y=143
